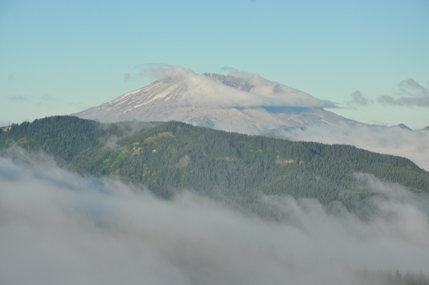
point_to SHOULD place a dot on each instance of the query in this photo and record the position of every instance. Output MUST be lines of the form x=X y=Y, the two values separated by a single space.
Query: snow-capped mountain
x=249 y=103
x=253 y=105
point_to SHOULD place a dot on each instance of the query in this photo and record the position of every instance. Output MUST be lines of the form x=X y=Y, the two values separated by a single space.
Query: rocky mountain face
x=248 y=104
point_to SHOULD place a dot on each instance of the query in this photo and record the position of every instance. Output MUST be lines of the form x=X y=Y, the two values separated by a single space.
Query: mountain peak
x=402 y=126
x=239 y=100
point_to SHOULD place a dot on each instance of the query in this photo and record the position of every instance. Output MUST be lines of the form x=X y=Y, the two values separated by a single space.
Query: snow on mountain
x=248 y=104
x=283 y=94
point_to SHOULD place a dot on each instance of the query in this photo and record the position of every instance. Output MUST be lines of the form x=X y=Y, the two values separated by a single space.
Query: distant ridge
x=402 y=126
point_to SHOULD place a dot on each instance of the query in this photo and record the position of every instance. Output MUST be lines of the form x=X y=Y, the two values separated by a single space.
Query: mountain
x=250 y=104
x=402 y=126
x=171 y=156
x=246 y=104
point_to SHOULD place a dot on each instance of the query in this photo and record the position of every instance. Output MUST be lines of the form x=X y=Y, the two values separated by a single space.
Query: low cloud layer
x=408 y=93
x=59 y=228
x=413 y=145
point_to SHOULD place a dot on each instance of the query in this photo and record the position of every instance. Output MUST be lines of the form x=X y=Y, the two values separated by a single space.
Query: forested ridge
x=171 y=156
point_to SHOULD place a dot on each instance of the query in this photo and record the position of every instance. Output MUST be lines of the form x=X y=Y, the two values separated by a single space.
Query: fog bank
x=59 y=228
x=398 y=141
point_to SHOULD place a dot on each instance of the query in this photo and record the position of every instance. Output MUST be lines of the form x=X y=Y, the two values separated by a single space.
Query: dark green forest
x=168 y=157
x=389 y=278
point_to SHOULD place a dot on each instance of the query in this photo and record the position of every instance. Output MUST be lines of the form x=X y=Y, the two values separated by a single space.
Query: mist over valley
x=214 y=142
x=168 y=202
x=57 y=226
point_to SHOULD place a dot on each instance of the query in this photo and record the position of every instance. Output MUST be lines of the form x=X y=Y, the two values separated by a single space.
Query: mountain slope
x=250 y=105
x=171 y=156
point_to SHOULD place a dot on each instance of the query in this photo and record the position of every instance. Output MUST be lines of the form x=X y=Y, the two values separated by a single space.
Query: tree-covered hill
x=171 y=156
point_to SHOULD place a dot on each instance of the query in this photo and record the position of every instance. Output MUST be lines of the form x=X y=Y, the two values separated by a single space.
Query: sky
x=370 y=57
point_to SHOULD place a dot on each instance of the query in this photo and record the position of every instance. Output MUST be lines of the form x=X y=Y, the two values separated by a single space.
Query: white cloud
x=56 y=227
x=413 y=145
x=359 y=99
x=200 y=90
x=257 y=84
x=163 y=71
x=408 y=93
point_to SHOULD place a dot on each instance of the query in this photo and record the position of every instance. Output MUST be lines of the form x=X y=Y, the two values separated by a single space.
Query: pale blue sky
x=60 y=57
